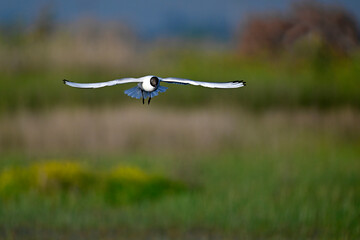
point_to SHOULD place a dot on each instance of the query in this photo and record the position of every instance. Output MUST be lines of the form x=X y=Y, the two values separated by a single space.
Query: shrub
x=62 y=179
x=129 y=184
x=56 y=176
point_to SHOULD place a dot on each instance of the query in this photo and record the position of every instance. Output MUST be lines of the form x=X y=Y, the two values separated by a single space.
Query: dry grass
x=158 y=130
x=84 y=44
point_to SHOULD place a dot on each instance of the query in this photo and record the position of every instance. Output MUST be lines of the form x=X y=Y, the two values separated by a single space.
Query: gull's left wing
x=101 y=84
x=233 y=84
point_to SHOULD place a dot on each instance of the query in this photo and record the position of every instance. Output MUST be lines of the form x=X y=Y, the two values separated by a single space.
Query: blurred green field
x=285 y=83
x=277 y=159
x=285 y=175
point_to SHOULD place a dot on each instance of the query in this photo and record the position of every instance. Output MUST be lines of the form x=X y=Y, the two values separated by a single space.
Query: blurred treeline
x=306 y=57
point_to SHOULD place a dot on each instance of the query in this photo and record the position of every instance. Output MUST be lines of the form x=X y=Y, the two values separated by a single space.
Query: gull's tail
x=135 y=92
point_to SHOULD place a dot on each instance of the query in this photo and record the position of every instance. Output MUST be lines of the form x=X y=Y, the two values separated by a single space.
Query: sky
x=152 y=18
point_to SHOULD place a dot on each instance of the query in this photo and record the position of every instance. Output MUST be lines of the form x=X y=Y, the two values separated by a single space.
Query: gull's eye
x=154 y=81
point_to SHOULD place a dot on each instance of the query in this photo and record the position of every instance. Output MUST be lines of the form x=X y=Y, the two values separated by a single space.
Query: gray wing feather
x=233 y=84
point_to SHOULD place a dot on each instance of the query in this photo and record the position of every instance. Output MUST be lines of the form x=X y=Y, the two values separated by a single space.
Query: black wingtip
x=64 y=81
x=241 y=81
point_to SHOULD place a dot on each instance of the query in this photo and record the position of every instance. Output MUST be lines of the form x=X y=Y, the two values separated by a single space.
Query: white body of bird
x=146 y=84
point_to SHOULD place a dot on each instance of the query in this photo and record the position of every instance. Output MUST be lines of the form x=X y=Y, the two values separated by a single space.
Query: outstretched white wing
x=101 y=84
x=233 y=84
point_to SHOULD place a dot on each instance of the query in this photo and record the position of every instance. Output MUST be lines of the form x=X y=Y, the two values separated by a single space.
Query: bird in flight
x=149 y=86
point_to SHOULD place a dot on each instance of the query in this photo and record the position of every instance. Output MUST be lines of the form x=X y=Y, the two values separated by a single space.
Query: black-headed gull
x=149 y=86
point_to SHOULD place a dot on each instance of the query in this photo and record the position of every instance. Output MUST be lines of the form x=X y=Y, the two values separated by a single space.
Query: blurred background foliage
x=71 y=181
x=312 y=51
x=277 y=159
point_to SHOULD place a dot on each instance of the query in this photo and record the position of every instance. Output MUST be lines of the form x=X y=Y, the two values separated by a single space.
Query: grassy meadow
x=278 y=159
x=272 y=175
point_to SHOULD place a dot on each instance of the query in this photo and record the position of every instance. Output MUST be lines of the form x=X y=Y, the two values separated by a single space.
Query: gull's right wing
x=233 y=84
x=102 y=84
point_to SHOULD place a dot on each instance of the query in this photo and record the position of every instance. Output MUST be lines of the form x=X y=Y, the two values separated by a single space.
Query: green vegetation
x=250 y=194
x=71 y=180
x=284 y=83
x=288 y=176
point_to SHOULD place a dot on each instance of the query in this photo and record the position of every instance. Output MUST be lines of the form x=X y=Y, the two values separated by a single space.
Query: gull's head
x=154 y=81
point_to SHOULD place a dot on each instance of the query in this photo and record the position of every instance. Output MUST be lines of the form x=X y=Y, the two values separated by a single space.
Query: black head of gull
x=154 y=81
